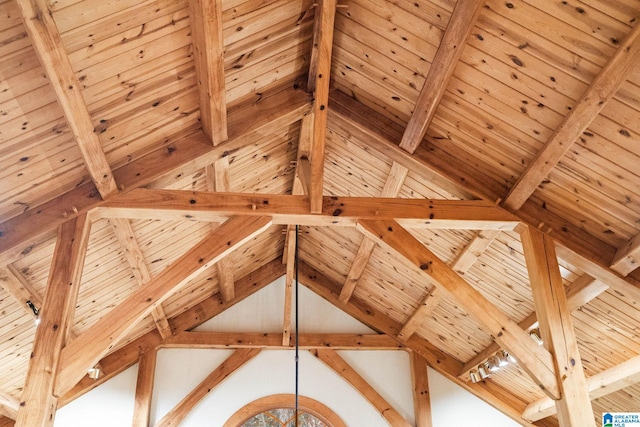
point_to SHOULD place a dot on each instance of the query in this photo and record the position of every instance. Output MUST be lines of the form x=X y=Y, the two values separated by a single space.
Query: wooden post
x=38 y=405
x=421 y=396
x=554 y=317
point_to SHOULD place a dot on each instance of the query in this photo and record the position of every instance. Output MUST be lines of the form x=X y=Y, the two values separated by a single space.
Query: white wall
x=179 y=370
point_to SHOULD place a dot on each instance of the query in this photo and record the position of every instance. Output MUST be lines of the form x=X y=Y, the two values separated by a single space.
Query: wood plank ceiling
x=461 y=172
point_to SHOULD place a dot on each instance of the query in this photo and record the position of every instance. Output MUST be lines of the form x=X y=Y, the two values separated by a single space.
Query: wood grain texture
x=537 y=362
x=234 y=362
x=46 y=41
x=208 y=43
x=104 y=334
x=39 y=401
x=556 y=327
x=453 y=41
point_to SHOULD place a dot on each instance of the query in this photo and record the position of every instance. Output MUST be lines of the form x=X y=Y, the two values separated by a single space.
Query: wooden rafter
x=8 y=406
x=568 y=250
x=480 y=242
x=489 y=392
x=127 y=356
x=39 y=402
x=342 y=368
x=579 y=293
x=12 y=281
x=536 y=361
x=301 y=186
x=222 y=340
x=453 y=41
x=627 y=256
x=601 y=90
x=186 y=155
x=42 y=30
x=234 y=362
x=421 y=395
x=393 y=184
x=128 y=241
x=321 y=65
x=574 y=406
x=208 y=46
x=290 y=209
x=601 y=384
x=218 y=180
x=144 y=387
x=88 y=348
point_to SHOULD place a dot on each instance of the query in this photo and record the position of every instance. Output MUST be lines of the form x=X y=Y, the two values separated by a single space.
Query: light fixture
x=503 y=358
x=36 y=312
x=535 y=335
x=474 y=376
x=94 y=373
x=494 y=363
x=483 y=370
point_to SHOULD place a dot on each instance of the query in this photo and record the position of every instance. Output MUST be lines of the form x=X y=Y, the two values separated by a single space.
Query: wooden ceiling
x=459 y=172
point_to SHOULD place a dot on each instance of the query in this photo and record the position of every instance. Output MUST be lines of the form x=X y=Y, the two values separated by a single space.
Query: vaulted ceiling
x=461 y=172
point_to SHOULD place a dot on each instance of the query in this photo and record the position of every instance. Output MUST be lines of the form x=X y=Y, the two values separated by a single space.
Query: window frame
x=276 y=401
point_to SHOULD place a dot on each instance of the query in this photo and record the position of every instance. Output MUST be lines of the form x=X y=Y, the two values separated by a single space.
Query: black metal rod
x=297 y=331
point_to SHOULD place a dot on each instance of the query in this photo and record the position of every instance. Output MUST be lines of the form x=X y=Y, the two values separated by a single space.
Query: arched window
x=278 y=410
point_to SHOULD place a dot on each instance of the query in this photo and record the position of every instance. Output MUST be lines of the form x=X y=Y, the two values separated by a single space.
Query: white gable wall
x=178 y=371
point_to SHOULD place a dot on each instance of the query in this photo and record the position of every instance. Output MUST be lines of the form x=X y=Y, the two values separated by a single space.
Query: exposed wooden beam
x=322 y=44
x=574 y=406
x=420 y=314
x=88 y=348
x=601 y=384
x=39 y=403
x=342 y=368
x=234 y=362
x=601 y=90
x=208 y=47
x=301 y=186
x=476 y=247
x=393 y=184
x=625 y=287
x=374 y=319
x=451 y=46
x=218 y=180
x=584 y=289
x=221 y=340
x=290 y=248
x=357 y=268
x=421 y=395
x=463 y=262
x=270 y=113
x=144 y=387
x=12 y=281
x=579 y=293
x=627 y=257
x=290 y=209
x=129 y=242
x=570 y=244
x=127 y=356
x=536 y=361
x=489 y=392
x=350 y=118
x=8 y=405
x=46 y=41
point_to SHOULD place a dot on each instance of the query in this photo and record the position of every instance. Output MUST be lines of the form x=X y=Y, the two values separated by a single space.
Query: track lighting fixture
x=484 y=371
x=94 y=373
x=535 y=335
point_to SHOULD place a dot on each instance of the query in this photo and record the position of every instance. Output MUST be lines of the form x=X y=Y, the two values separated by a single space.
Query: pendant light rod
x=296 y=322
